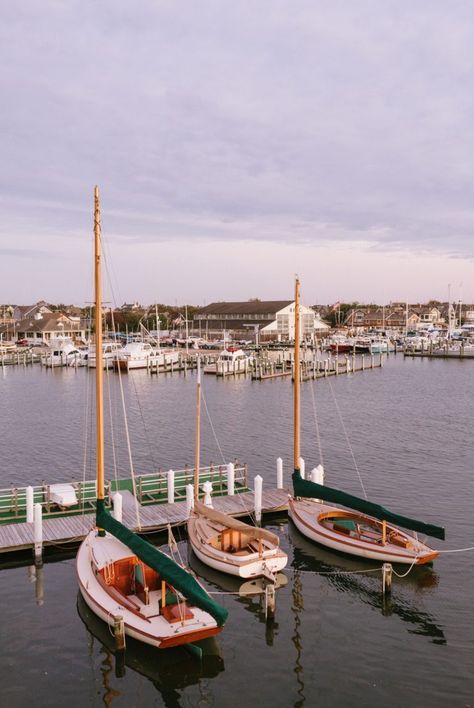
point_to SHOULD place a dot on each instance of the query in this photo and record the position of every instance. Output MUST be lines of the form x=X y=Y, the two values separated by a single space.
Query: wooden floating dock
x=63 y=531
x=315 y=368
x=441 y=354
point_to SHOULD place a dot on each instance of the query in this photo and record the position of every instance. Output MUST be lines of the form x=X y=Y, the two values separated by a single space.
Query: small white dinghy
x=233 y=547
x=64 y=495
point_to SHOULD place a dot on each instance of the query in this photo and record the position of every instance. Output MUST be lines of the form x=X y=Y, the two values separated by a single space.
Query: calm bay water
x=333 y=642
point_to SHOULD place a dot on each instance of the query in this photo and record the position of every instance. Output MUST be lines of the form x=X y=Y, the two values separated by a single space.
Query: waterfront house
x=49 y=326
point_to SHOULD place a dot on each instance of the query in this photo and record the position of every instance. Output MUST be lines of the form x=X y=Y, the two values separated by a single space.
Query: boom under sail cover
x=231 y=523
x=165 y=566
x=305 y=488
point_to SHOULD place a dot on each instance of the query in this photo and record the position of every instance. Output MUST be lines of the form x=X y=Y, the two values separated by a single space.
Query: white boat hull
x=305 y=515
x=266 y=562
x=152 y=628
x=160 y=360
x=247 y=567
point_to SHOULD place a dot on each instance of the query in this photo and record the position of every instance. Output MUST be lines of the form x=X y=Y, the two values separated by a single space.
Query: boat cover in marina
x=231 y=523
x=169 y=571
x=305 y=488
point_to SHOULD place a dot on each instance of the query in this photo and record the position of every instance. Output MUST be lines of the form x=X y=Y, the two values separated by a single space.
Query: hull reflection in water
x=250 y=594
x=308 y=557
x=168 y=670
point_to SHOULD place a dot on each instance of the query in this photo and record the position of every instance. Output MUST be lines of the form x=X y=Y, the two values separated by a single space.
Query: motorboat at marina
x=110 y=351
x=231 y=360
x=64 y=353
x=142 y=355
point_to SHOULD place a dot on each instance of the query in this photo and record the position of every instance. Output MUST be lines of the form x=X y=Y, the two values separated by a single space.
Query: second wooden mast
x=296 y=381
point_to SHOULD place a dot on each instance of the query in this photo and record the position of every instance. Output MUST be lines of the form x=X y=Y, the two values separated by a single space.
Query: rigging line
x=340 y=572
x=144 y=426
x=347 y=438
x=107 y=260
x=112 y=429
x=457 y=550
x=212 y=426
x=129 y=449
x=316 y=423
x=250 y=513
x=86 y=437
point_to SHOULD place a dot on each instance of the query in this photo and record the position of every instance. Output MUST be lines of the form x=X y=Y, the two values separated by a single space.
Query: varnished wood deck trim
x=153 y=517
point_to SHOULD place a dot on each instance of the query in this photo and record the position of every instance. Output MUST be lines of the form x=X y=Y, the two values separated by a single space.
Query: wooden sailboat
x=120 y=574
x=368 y=530
x=224 y=543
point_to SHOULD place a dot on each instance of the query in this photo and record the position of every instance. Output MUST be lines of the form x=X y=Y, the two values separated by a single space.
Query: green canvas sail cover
x=305 y=488
x=165 y=566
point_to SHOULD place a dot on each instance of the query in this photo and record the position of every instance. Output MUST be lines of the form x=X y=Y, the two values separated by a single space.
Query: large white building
x=273 y=319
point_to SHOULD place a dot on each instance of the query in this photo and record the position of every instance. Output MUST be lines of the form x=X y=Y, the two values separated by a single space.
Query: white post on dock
x=38 y=533
x=258 y=483
x=207 y=487
x=317 y=475
x=30 y=511
x=230 y=479
x=118 y=507
x=387 y=578
x=119 y=633
x=279 y=473
x=189 y=499
x=170 y=487
x=302 y=468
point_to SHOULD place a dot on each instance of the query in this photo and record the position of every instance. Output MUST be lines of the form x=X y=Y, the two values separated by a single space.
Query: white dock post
x=119 y=633
x=302 y=468
x=30 y=511
x=317 y=475
x=258 y=482
x=189 y=499
x=230 y=479
x=207 y=486
x=170 y=487
x=38 y=534
x=279 y=473
x=387 y=578
x=118 y=507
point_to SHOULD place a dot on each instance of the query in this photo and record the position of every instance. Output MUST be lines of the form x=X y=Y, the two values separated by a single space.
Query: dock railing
x=151 y=488
x=13 y=500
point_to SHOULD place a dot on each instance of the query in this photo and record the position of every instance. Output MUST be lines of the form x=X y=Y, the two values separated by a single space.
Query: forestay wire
x=347 y=438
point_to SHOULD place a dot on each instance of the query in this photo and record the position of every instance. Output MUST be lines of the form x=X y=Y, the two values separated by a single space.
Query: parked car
x=22 y=343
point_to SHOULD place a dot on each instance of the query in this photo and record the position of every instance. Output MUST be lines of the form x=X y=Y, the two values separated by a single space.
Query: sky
x=236 y=144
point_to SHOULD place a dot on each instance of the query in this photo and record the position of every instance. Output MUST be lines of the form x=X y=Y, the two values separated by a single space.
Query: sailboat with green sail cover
x=366 y=529
x=123 y=576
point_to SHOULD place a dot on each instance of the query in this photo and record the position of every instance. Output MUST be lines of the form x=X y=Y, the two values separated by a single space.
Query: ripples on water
x=333 y=641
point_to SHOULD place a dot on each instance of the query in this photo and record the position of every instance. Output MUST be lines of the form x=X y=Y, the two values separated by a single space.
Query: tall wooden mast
x=99 y=371
x=296 y=383
x=197 y=451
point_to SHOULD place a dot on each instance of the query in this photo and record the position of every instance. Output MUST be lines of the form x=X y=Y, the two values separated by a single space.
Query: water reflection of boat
x=250 y=594
x=307 y=557
x=169 y=670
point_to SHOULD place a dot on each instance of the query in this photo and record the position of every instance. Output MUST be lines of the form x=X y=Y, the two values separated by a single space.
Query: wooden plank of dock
x=154 y=517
